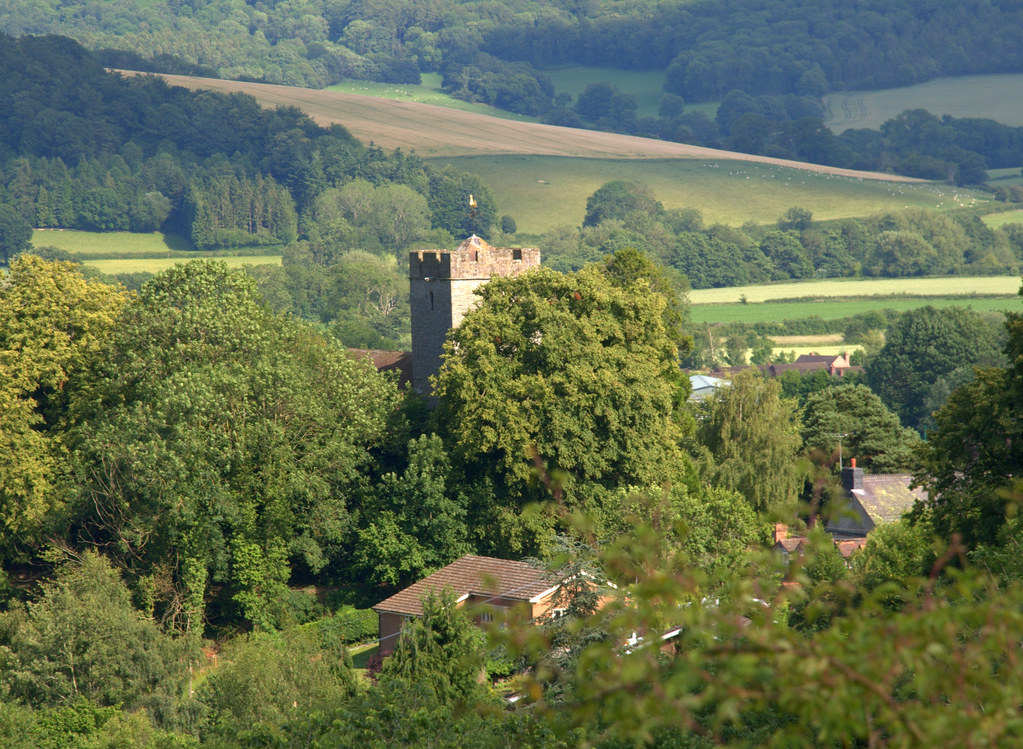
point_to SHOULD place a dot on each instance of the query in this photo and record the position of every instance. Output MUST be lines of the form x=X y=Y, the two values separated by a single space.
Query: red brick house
x=475 y=581
x=836 y=366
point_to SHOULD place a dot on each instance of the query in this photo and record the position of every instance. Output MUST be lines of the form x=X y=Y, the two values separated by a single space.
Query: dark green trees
x=15 y=233
x=922 y=347
x=82 y=639
x=571 y=379
x=217 y=442
x=870 y=432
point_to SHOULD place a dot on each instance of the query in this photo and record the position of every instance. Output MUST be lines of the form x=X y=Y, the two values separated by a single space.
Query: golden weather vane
x=472 y=212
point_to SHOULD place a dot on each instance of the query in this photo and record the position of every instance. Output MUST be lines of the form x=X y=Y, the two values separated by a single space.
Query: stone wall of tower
x=441 y=285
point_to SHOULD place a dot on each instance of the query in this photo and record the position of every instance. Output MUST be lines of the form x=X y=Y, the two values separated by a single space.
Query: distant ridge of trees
x=708 y=48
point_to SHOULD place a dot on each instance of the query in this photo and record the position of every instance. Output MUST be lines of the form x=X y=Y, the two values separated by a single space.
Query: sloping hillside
x=438 y=131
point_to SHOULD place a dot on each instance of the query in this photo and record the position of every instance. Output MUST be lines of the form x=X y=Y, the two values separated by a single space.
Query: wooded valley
x=204 y=487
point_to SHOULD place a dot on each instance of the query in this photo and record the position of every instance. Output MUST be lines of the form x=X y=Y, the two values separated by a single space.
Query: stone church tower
x=441 y=283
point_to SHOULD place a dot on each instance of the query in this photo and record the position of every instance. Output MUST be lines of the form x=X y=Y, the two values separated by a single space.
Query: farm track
x=434 y=131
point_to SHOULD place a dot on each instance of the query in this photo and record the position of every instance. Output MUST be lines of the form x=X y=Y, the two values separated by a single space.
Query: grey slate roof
x=883 y=498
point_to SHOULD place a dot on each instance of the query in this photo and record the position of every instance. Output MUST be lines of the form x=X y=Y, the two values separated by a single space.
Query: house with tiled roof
x=482 y=582
x=836 y=366
x=789 y=547
x=869 y=501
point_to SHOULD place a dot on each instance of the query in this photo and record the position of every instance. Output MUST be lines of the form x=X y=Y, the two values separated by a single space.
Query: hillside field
x=514 y=157
x=996 y=97
x=540 y=192
x=836 y=298
x=106 y=244
x=127 y=252
x=996 y=220
x=835 y=309
x=861 y=287
x=428 y=92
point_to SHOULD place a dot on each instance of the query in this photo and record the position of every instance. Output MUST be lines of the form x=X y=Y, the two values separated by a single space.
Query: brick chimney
x=852 y=477
x=781 y=532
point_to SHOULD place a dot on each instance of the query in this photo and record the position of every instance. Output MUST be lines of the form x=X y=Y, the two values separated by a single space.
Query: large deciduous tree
x=572 y=379
x=51 y=322
x=221 y=443
x=923 y=346
x=972 y=458
x=81 y=638
x=869 y=431
x=751 y=440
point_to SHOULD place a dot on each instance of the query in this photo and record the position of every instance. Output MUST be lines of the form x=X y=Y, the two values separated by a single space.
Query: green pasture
x=996 y=220
x=645 y=85
x=947 y=286
x=833 y=309
x=996 y=97
x=113 y=266
x=428 y=92
x=88 y=243
x=541 y=192
x=1005 y=177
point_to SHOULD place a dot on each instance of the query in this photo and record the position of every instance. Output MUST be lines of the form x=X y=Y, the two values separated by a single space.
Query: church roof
x=473 y=243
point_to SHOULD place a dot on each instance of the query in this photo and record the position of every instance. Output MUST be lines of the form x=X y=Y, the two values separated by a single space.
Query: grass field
x=428 y=92
x=835 y=309
x=158 y=264
x=996 y=220
x=996 y=97
x=1004 y=177
x=645 y=85
x=545 y=191
x=862 y=287
x=109 y=243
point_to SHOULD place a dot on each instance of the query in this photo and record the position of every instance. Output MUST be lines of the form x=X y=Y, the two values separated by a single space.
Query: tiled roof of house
x=850 y=546
x=387 y=361
x=469 y=575
x=870 y=500
x=814 y=359
x=886 y=497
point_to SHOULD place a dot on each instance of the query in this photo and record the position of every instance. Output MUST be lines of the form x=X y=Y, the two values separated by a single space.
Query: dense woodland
x=768 y=64
x=203 y=491
x=708 y=48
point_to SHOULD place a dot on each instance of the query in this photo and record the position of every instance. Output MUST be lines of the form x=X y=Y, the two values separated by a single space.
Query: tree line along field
x=429 y=91
x=990 y=96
